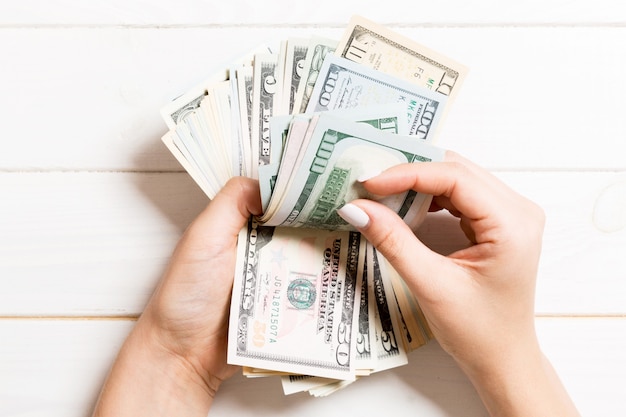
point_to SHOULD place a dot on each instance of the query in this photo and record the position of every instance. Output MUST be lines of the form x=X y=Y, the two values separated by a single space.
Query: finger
x=234 y=204
x=456 y=186
x=490 y=183
x=220 y=222
x=417 y=264
x=480 y=172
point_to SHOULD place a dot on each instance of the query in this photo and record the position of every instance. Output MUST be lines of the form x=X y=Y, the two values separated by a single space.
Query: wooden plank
x=584 y=240
x=89 y=243
x=237 y=12
x=89 y=98
x=95 y=244
x=56 y=368
x=588 y=357
x=527 y=100
x=581 y=269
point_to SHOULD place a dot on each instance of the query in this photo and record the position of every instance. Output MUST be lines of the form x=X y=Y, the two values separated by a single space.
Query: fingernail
x=368 y=175
x=354 y=215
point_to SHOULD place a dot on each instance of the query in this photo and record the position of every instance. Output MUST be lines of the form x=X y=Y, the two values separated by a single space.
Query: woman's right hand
x=479 y=301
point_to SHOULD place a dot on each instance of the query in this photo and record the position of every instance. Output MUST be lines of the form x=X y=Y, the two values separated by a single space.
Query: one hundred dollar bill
x=286 y=129
x=345 y=84
x=295 y=299
x=377 y=47
x=326 y=175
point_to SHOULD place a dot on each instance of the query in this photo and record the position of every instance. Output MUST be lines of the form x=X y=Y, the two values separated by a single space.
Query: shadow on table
x=173 y=192
x=431 y=384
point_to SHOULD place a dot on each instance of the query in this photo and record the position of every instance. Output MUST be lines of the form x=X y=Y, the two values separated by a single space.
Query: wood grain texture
x=92 y=204
x=56 y=367
x=95 y=244
x=68 y=235
x=246 y=12
x=536 y=98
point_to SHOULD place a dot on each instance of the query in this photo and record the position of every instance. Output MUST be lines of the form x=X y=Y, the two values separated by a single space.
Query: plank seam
x=134 y=317
x=317 y=25
x=157 y=171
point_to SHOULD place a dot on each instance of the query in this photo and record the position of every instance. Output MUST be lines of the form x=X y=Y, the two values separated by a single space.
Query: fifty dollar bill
x=295 y=299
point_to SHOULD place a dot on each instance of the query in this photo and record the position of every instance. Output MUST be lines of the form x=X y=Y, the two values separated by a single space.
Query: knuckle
x=458 y=169
x=535 y=215
x=452 y=156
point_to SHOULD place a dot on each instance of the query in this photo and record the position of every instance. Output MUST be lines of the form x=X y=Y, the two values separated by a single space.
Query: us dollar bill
x=287 y=129
x=326 y=175
x=417 y=332
x=388 y=343
x=191 y=139
x=295 y=299
x=366 y=357
x=239 y=143
x=245 y=89
x=294 y=70
x=266 y=86
x=377 y=47
x=179 y=108
x=300 y=383
x=215 y=124
x=188 y=164
x=326 y=390
x=345 y=84
x=317 y=51
x=283 y=130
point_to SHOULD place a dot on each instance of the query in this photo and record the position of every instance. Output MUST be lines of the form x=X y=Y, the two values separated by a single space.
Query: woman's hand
x=479 y=301
x=175 y=358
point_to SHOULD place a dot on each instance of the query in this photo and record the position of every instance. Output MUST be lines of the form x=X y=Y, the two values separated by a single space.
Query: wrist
x=161 y=382
x=522 y=382
x=181 y=368
x=500 y=359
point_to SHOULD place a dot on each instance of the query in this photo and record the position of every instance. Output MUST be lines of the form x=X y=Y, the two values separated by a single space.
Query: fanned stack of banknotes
x=312 y=300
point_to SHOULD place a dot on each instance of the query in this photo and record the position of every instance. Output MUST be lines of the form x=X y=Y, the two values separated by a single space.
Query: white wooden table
x=91 y=202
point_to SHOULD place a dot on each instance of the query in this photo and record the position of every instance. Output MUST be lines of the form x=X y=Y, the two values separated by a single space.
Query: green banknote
x=338 y=152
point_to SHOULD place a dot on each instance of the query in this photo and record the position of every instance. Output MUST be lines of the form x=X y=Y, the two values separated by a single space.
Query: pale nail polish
x=368 y=175
x=354 y=215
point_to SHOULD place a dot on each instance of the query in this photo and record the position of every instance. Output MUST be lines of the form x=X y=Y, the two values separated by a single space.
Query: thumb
x=217 y=227
x=422 y=269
